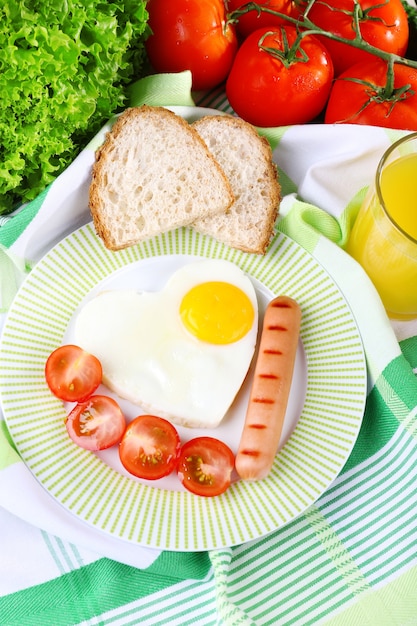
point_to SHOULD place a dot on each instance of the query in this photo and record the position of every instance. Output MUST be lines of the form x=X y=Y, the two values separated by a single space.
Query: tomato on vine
x=191 y=35
x=279 y=78
x=251 y=20
x=363 y=95
x=382 y=23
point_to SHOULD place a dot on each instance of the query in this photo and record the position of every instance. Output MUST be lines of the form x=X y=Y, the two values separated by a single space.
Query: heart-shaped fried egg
x=181 y=353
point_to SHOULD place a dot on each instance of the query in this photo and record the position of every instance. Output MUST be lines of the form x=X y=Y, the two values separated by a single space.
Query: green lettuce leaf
x=64 y=68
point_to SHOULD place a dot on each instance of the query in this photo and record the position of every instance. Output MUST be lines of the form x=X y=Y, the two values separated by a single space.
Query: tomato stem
x=389 y=85
x=289 y=54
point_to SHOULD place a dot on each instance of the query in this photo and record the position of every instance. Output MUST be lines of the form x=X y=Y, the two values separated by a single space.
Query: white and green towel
x=351 y=558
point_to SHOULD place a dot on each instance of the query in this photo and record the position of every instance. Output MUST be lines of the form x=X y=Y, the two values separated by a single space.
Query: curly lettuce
x=64 y=68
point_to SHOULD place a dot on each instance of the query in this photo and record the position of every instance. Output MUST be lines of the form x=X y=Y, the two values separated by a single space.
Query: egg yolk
x=217 y=312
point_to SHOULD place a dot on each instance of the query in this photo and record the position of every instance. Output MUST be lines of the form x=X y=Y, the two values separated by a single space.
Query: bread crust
x=161 y=118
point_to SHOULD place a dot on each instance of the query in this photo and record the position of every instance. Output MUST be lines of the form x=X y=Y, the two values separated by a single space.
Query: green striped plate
x=323 y=418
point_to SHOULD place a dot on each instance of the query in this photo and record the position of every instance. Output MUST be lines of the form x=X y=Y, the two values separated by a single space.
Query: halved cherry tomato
x=72 y=374
x=205 y=466
x=96 y=424
x=149 y=447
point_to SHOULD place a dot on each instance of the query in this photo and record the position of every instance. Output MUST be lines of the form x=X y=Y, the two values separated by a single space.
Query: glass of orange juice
x=384 y=236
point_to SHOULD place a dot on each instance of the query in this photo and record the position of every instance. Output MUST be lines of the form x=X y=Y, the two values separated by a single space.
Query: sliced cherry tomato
x=149 y=447
x=359 y=96
x=96 y=424
x=250 y=21
x=205 y=466
x=191 y=35
x=267 y=90
x=72 y=374
x=382 y=23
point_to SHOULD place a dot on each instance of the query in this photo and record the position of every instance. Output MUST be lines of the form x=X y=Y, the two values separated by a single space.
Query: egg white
x=149 y=357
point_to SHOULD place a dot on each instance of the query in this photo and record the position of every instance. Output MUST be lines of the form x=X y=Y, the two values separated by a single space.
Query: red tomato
x=149 y=448
x=383 y=24
x=72 y=374
x=266 y=91
x=205 y=466
x=191 y=35
x=365 y=102
x=96 y=424
x=248 y=22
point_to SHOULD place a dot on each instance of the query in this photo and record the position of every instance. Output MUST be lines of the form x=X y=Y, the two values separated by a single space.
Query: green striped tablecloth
x=351 y=558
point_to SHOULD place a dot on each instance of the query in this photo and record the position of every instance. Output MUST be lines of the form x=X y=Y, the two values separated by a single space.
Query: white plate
x=322 y=422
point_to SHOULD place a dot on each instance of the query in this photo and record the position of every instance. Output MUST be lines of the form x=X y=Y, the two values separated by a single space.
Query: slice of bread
x=153 y=173
x=246 y=159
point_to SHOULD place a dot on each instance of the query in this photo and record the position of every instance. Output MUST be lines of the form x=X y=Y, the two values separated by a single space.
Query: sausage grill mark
x=254 y=453
x=276 y=304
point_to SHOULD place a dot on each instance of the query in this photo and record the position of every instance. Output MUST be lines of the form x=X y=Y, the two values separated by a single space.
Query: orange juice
x=399 y=192
x=384 y=236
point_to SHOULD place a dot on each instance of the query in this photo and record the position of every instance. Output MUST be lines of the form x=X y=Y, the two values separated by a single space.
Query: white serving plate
x=322 y=422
